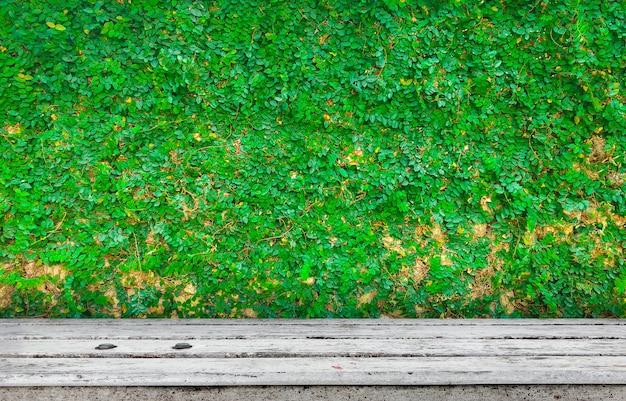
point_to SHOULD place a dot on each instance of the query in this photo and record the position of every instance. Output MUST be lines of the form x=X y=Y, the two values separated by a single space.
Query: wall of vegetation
x=453 y=158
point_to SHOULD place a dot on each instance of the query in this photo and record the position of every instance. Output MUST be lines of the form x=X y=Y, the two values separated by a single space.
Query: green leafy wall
x=454 y=158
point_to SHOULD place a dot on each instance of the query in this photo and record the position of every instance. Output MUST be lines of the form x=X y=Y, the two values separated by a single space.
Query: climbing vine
x=393 y=158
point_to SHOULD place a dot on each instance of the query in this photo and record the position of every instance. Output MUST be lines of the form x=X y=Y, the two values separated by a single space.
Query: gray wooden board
x=312 y=352
x=282 y=348
x=312 y=371
x=305 y=329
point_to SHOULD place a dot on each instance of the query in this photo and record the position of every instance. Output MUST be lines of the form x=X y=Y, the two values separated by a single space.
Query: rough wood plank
x=310 y=348
x=286 y=329
x=312 y=371
x=311 y=352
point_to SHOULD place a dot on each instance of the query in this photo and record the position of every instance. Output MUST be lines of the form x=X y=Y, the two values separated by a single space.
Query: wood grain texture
x=312 y=371
x=311 y=348
x=312 y=352
x=306 y=329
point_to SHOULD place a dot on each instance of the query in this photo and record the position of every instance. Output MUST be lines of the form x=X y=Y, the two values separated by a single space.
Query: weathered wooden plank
x=310 y=348
x=216 y=329
x=311 y=352
x=312 y=371
x=316 y=393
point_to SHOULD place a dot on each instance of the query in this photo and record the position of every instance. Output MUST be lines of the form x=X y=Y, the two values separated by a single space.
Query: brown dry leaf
x=366 y=298
x=506 y=300
x=31 y=269
x=419 y=310
x=589 y=173
x=484 y=204
x=421 y=235
x=618 y=220
x=616 y=178
x=34 y=269
x=438 y=234
x=420 y=270
x=596 y=214
x=249 y=313
x=174 y=157
x=186 y=294
x=13 y=129
x=158 y=310
x=480 y=230
x=482 y=286
x=355 y=157
x=396 y=314
x=598 y=154
x=333 y=241
x=111 y=293
x=55 y=271
x=6 y=293
x=150 y=238
x=138 y=279
x=393 y=244
x=445 y=261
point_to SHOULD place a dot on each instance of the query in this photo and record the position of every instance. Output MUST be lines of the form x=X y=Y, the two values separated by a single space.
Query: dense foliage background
x=453 y=158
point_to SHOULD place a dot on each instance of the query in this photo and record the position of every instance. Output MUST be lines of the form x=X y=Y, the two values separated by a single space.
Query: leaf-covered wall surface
x=454 y=158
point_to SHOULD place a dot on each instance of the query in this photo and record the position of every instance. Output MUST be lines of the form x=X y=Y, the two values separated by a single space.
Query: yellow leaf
x=53 y=117
x=494 y=9
x=406 y=82
x=366 y=298
x=13 y=129
x=518 y=40
x=51 y=24
x=59 y=27
x=86 y=31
